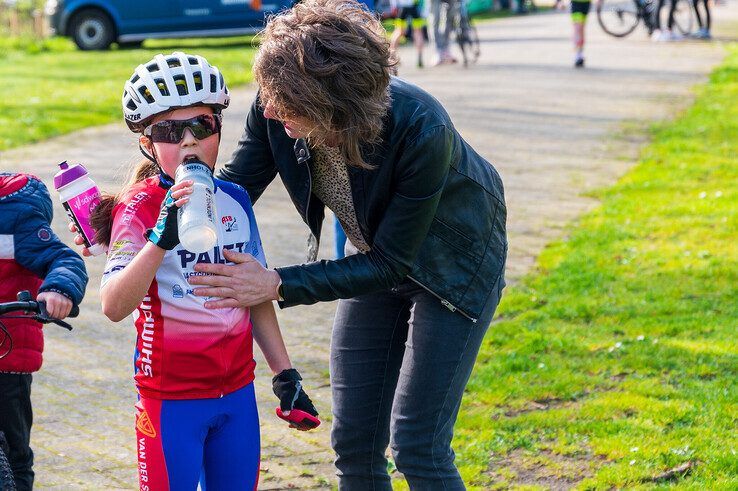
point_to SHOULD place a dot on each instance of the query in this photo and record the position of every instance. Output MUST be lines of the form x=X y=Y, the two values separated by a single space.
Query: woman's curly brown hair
x=328 y=61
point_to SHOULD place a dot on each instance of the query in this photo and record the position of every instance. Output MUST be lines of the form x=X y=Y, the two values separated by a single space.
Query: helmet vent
x=213 y=83
x=131 y=105
x=181 y=84
x=198 y=80
x=162 y=86
x=152 y=67
x=146 y=95
x=135 y=78
x=192 y=60
x=173 y=62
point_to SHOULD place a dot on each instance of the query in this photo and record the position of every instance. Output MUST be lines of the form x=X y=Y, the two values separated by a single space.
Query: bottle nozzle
x=64 y=165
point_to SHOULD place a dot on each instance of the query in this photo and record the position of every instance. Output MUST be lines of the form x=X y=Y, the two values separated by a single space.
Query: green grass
x=50 y=88
x=617 y=359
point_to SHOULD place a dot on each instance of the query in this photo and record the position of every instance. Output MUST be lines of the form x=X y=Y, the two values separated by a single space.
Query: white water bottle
x=196 y=218
x=80 y=196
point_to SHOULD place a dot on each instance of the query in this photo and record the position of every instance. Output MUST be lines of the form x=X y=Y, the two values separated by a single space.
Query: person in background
x=440 y=32
x=704 y=31
x=667 y=34
x=408 y=12
x=340 y=238
x=32 y=258
x=579 y=11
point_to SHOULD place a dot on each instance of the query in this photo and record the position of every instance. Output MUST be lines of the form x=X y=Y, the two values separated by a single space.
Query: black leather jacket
x=432 y=209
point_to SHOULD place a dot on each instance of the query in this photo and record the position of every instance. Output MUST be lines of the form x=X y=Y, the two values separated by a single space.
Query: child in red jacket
x=31 y=258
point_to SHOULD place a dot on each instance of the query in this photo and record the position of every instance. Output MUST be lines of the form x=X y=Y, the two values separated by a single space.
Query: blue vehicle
x=96 y=24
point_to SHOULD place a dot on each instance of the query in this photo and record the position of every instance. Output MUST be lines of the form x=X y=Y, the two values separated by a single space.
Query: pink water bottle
x=80 y=196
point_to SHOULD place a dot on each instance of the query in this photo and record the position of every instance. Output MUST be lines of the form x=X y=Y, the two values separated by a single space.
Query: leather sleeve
x=252 y=164
x=420 y=174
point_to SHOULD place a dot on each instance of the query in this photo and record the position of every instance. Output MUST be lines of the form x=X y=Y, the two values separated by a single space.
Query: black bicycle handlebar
x=31 y=306
x=23 y=304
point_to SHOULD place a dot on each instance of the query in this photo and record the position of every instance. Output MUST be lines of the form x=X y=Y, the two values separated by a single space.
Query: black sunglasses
x=172 y=130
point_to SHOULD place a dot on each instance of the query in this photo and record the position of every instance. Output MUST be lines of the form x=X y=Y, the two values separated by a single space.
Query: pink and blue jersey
x=183 y=350
x=196 y=418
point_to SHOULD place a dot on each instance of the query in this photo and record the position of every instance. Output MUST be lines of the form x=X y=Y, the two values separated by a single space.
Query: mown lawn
x=50 y=88
x=616 y=360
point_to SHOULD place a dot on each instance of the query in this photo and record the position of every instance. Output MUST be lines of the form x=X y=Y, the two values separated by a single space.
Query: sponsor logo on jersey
x=119 y=244
x=130 y=209
x=177 y=291
x=188 y=258
x=143 y=424
x=147 y=337
x=115 y=268
x=230 y=223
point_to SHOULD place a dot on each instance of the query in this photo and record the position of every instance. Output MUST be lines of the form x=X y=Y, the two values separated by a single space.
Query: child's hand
x=57 y=305
x=165 y=233
x=295 y=406
x=181 y=192
x=79 y=240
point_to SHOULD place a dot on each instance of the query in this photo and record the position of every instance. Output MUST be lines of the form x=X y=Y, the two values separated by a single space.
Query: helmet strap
x=166 y=179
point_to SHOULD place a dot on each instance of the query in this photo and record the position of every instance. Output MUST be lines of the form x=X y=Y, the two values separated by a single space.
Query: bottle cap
x=68 y=173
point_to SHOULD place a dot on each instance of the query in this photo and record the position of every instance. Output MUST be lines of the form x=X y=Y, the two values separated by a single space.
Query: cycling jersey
x=183 y=350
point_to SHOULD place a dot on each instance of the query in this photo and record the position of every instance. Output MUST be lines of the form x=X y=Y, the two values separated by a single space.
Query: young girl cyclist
x=196 y=417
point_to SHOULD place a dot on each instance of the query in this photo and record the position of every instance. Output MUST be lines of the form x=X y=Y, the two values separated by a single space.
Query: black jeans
x=15 y=421
x=399 y=364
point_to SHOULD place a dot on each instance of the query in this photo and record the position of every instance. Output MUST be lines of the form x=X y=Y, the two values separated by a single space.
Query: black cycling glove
x=292 y=397
x=164 y=234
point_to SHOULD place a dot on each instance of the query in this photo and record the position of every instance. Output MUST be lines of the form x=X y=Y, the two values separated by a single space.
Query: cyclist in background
x=31 y=258
x=408 y=12
x=704 y=31
x=441 y=32
x=579 y=11
x=667 y=34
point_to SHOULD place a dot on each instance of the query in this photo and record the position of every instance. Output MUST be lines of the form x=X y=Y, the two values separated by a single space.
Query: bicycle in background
x=27 y=309
x=619 y=18
x=466 y=34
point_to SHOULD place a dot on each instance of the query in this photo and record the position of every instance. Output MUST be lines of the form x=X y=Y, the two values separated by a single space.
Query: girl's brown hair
x=101 y=219
x=328 y=61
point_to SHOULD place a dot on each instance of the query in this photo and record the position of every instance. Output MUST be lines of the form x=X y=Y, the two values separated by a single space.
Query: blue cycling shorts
x=212 y=441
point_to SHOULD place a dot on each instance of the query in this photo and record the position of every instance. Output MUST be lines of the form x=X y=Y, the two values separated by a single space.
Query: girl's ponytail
x=101 y=219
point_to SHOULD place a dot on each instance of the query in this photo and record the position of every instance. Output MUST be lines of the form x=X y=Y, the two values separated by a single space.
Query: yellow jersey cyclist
x=579 y=11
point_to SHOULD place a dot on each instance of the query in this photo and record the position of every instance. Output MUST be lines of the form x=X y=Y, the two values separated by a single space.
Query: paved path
x=552 y=131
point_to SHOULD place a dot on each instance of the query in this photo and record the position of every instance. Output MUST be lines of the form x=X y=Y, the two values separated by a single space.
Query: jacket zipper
x=303 y=155
x=444 y=302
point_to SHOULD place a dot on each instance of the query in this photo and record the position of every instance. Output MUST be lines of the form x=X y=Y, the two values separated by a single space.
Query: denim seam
x=381 y=398
x=445 y=399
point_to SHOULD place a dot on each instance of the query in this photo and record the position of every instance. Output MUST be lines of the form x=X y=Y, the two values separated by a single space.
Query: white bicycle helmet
x=169 y=82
